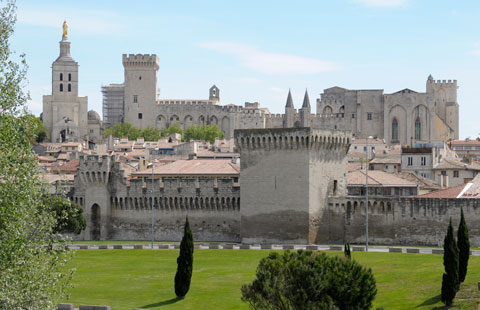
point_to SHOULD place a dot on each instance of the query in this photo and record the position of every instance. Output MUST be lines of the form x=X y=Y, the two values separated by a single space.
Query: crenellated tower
x=140 y=92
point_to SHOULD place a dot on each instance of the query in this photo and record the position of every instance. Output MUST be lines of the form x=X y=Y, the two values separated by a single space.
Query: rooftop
x=377 y=178
x=194 y=167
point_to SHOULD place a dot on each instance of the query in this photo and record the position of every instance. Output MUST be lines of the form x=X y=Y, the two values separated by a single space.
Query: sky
x=258 y=50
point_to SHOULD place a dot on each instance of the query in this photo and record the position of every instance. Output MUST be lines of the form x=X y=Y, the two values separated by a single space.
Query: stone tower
x=214 y=95
x=140 y=89
x=64 y=113
x=289 y=118
x=288 y=175
x=305 y=111
x=444 y=95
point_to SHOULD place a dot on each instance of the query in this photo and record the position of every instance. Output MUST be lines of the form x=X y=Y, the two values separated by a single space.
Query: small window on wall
x=140 y=116
x=353 y=115
x=69 y=77
x=335 y=186
x=455 y=174
x=135 y=98
x=61 y=87
x=69 y=87
x=369 y=116
x=61 y=76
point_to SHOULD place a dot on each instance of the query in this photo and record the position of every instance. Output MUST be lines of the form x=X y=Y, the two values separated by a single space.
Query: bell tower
x=64 y=113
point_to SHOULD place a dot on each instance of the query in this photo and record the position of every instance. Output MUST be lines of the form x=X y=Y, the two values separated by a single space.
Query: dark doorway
x=95 y=217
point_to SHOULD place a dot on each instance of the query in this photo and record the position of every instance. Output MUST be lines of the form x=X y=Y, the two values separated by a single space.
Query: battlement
x=444 y=82
x=140 y=60
x=291 y=138
x=184 y=102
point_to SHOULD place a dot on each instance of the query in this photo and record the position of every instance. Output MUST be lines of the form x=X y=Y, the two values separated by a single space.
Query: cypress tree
x=450 y=282
x=464 y=248
x=183 y=276
x=346 y=251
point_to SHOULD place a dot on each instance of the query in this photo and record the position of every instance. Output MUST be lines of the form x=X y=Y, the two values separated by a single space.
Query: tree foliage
x=183 y=276
x=204 y=132
x=175 y=128
x=33 y=272
x=120 y=130
x=69 y=215
x=308 y=280
x=151 y=134
x=450 y=283
x=463 y=247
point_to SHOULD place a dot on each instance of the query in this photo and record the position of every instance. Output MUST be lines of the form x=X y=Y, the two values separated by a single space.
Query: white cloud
x=269 y=62
x=78 y=21
x=382 y=3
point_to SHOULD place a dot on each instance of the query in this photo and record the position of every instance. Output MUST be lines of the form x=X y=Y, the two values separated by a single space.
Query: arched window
x=61 y=76
x=69 y=77
x=69 y=87
x=394 y=130
x=418 y=129
x=61 y=87
x=327 y=110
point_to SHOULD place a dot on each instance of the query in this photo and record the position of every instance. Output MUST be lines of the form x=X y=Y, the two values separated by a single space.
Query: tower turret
x=290 y=112
x=305 y=111
x=214 y=95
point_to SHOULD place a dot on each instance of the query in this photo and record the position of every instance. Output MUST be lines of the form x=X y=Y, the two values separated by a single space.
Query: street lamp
x=366 y=193
x=153 y=203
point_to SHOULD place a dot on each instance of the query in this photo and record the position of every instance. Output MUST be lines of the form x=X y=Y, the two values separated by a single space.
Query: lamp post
x=153 y=204
x=366 y=194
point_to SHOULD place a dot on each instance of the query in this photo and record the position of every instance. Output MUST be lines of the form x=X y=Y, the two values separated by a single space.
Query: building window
x=353 y=115
x=140 y=116
x=334 y=187
x=69 y=77
x=369 y=116
x=455 y=174
x=418 y=129
x=395 y=130
x=135 y=98
x=386 y=166
x=410 y=161
x=91 y=130
x=69 y=87
x=444 y=173
x=61 y=76
x=61 y=87
x=423 y=161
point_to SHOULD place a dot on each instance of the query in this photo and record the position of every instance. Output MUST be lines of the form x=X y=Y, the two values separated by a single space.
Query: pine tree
x=450 y=283
x=347 y=252
x=183 y=276
x=464 y=248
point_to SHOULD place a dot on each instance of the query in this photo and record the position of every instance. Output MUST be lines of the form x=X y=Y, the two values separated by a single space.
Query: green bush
x=183 y=276
x=308 y=280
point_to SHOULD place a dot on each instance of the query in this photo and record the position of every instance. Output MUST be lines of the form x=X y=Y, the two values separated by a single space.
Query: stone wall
x=402 y=221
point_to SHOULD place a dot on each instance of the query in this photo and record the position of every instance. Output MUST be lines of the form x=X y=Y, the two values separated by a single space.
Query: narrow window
x=135 y=98
x=69 y=77
x=353 y=115
x=369 y=116
x=140 y=116
x=335 y=186
x=395 y=130
x=61 y=76
x=418 y=129
x=410 y=161
x=455 y=174
x=69 y=87
x=61 y=87
x=444 y=172
x=424 y=161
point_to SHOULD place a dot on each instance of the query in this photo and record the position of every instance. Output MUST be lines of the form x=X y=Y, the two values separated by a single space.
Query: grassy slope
x=129 y=279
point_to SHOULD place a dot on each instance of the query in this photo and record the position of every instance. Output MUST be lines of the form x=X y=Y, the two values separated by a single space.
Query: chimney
x=140 y=140
x=124 y=140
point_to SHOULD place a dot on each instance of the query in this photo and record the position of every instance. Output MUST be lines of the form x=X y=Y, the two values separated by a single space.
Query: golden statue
x=65 y=31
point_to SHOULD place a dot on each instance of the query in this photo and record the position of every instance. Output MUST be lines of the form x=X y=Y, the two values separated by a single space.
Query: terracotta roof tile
x=377 y=178
x=450 y=192
x=195 y=167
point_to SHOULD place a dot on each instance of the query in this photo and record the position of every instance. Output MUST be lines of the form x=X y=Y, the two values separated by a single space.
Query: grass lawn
x=129 y=279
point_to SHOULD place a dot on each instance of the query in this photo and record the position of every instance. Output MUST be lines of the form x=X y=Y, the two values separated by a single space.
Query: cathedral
x=403 y=117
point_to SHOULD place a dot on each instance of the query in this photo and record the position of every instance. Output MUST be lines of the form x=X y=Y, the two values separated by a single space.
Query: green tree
x=308 y=280
x=123 y=130
x=33 y=272
x=204 y=132
x=175 y=128
x=464 y=248
x=68 y=214
x=450 y=283
x=183 y=276
x=151 y=133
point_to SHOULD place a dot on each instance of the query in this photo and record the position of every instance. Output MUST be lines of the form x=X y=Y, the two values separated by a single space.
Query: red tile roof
x=377 y=178
x=69 y=167
x=194 y=167
x=450 y=192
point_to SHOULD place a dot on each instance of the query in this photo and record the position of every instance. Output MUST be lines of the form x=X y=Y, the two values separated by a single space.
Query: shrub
x=307 y=280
